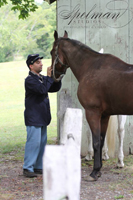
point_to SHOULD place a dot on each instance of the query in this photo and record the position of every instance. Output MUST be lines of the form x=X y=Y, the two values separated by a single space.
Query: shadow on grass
x=16 y=151
x=13 y=139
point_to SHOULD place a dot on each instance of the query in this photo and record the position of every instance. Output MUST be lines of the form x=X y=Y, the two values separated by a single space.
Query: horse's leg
x=105 y=150
x=121 y=132
x=104 y=124
x=90 y=148
x=94 y=119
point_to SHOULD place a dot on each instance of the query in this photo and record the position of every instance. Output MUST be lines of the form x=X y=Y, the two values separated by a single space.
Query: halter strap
x=57 y=59
x=57 y=56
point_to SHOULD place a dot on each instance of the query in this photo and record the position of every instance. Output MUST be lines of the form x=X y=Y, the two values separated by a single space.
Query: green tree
x=41 y=28
x=23 y=6
x=32 y=35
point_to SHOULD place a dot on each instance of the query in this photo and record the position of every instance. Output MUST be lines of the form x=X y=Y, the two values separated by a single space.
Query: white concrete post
x=62 y=164
x=72 y=125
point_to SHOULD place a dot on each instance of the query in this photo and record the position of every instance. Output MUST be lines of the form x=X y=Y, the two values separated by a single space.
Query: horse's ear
x=65 y=34
x=55 y=35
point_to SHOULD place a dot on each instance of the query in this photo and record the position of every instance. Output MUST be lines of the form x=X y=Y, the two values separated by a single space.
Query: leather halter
x=57 y=60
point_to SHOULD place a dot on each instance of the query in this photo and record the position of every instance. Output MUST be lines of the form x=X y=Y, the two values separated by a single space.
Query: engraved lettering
x=110 y=14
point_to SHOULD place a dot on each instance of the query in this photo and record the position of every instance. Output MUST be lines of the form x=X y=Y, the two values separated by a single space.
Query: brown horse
x=105 y=87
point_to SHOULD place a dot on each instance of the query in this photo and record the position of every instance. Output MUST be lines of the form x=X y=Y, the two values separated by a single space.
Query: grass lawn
x=12 y=127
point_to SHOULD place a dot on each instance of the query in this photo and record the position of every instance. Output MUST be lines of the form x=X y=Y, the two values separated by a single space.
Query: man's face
x=37 y=66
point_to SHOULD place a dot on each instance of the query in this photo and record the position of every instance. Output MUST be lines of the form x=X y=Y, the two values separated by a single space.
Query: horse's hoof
x=91 y=179
x=99 y=174
x=120 y=165
x=105 y=157
x=88 y=157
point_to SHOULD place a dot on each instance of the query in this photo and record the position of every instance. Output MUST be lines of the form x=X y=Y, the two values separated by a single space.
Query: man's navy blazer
x=37 y=107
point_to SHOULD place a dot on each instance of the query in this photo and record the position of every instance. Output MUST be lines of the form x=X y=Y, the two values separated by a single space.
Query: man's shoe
x=38 y=171
x=29 y=174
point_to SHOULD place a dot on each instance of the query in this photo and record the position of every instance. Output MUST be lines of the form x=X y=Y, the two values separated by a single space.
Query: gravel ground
x=113 y=184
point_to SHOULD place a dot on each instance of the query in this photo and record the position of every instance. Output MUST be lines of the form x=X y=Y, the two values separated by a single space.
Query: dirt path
x=113 y=184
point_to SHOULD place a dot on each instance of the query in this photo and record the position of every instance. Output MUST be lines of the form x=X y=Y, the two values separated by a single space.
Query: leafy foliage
x=23 y=6
x=23 y=37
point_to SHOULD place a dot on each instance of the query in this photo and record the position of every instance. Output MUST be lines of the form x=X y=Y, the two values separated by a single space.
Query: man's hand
x=49 y=70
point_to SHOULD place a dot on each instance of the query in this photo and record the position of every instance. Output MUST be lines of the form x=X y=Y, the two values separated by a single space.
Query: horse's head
x=59 y=64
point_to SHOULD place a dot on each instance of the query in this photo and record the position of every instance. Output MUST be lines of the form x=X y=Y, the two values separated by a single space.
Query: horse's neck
x=74 y=57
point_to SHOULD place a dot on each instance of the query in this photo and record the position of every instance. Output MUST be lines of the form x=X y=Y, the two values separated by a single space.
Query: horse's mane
x=78 y=44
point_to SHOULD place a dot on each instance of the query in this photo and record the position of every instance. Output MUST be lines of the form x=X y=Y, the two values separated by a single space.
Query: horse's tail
x=111 y=135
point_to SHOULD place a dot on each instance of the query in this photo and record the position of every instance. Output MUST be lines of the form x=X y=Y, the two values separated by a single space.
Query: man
x=37 y=114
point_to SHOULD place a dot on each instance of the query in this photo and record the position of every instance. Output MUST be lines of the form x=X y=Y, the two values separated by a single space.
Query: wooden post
x=62 y=163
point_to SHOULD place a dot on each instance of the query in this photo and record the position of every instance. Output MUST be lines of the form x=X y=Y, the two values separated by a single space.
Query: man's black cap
x=32 y=58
